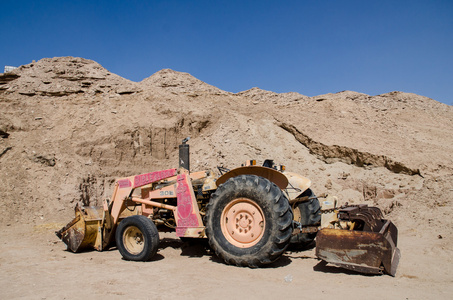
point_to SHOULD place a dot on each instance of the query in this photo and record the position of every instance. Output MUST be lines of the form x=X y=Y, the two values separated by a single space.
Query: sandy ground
x=68 y=128
x=35 y=265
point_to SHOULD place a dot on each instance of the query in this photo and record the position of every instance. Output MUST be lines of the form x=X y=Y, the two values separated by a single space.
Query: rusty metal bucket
x=84 y=231
x=369 y=250
x=361 y=251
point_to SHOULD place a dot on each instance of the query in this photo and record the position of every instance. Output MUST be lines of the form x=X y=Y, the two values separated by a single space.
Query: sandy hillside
x=69 y=127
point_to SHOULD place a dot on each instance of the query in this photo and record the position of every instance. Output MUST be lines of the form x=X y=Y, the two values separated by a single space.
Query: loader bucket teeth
x=82 y=232
x=372 y=251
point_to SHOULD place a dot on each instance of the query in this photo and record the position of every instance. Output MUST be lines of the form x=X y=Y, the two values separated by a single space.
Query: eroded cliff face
x=69 y=127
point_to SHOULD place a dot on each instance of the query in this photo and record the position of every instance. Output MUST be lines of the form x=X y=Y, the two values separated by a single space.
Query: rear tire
x=249 y=221
x=137 y=238
x=306 y=213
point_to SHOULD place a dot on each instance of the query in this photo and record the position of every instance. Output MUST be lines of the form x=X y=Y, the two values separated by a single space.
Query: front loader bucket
x=84 y=231
x=372 y=252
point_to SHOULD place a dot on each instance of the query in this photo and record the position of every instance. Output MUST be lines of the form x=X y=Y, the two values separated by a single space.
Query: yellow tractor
x=249 y=215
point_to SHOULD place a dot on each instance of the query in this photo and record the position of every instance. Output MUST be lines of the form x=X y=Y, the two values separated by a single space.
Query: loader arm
x=124 y=188
x=95 y=226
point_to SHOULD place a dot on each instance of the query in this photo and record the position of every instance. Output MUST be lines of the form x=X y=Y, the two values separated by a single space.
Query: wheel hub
x=242 y=222
x=133 y=240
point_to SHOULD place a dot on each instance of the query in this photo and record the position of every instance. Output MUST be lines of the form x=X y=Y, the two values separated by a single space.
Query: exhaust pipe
x=184 y=154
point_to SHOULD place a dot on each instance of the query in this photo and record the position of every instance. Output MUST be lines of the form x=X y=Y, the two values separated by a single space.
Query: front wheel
x=248 y=221
x=137 y=238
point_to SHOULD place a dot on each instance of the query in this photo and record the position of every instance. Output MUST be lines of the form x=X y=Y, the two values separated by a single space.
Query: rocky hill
x=69 y=127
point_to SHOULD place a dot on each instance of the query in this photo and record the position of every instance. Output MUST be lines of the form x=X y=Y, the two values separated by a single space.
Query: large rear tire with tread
x=137 y=238
x=249 y=221
x=306 y=213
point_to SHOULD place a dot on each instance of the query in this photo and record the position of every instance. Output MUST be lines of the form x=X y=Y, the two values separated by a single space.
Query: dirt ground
x=68 y=128
x=35 y=265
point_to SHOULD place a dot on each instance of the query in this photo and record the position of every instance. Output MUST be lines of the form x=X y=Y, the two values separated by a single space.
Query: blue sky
x=311 y=47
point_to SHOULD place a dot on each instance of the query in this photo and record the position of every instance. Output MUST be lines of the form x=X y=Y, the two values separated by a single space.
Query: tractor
x=249 y=216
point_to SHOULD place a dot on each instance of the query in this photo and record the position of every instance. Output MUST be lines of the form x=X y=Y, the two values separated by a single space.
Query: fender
x=297 y=184
x=272 y=175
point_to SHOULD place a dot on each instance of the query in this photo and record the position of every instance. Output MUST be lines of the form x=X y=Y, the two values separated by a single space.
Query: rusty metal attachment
x=367 y=245
x=82 y=232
